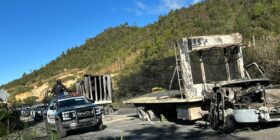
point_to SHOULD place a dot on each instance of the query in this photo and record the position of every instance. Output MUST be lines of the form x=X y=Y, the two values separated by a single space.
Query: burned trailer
x=195 y=77
x=97 y=88
x=214 y=85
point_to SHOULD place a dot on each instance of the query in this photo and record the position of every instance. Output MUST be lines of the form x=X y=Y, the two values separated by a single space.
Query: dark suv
x=37 y=112
x=70 y=113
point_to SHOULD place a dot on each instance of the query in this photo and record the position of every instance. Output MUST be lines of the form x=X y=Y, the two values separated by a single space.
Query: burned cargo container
x=97 y=88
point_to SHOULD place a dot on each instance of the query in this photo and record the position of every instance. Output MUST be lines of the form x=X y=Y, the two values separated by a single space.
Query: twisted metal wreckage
x=214 y=84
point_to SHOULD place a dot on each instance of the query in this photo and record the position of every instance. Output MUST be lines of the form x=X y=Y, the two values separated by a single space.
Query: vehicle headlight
x=97 y=110
x=68 y=115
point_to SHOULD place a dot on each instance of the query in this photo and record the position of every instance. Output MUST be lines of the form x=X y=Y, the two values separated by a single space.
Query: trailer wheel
x=229 y=125
x=152 y=115
x=142 y=114
x=111 y=109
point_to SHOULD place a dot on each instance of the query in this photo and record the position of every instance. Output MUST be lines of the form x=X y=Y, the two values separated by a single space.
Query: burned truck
x=214 y=85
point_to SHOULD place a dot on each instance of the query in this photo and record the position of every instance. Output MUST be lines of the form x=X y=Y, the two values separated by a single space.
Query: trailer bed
x=169 y=96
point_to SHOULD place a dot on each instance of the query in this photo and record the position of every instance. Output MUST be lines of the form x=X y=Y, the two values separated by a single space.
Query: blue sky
x=34 y=32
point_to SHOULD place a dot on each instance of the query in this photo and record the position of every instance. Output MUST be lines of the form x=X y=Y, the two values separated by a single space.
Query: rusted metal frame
x=177 y=68
x=223 y=106
x=202 y=67
x=227 y=64
x=214 y=41
x=240 y=62
x=104 y=87
x=90 y=88
x=95 y=88
x=109 y=88
x=87 y=86
x=100 y=87
x=172 y=79
x=264 y=96
x=187 y=78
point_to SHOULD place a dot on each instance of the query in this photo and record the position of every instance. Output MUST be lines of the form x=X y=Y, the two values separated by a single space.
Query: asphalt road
x=133 y=129
x=129 y=127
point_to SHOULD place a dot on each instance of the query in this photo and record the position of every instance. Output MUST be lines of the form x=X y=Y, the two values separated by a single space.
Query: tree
x=24 y=74
x=258 y=9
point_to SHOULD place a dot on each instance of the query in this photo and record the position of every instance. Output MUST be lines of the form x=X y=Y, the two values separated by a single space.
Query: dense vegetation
x=154 y=58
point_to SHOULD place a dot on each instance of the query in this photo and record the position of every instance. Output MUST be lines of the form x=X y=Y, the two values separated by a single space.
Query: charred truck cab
x=214 y=85
x=66 y=113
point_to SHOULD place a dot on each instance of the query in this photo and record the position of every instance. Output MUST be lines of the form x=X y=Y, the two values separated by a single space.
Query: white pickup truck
x=66 y=113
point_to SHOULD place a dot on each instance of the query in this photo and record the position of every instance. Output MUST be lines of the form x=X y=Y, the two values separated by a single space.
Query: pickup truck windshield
x=71 y=102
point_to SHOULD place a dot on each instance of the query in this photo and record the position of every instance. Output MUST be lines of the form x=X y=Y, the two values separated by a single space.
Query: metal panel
x=95 y=88
x=90 y=88
x=240 y=63
x=109 y=85
x=246 y=116
x=87 y=86
x=186 y=69
x=100 y=87
x=104 y=87
x=206 y=42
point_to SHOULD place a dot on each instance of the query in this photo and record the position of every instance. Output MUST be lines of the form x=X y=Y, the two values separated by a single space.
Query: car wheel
x=61 y=132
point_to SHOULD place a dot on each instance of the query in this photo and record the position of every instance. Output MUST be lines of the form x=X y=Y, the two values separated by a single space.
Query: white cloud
x=141 y=5
x=173 y=4
x=163 y=7
x=196 y=1
x=135 y=11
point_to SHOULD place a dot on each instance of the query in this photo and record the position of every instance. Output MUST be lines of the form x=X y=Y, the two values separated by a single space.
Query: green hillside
x=143 y=57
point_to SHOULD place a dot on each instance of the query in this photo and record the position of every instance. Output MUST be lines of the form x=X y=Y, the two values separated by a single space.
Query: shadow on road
x=84 y=130
x=172 y=132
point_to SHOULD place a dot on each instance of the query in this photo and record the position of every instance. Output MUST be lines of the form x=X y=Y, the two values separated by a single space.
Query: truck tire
x=111 y=109
x=142 y=114
x=230 y=124
x=61 y=132
x=152 y=115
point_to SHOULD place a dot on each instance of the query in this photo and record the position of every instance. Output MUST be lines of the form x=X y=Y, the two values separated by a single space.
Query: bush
x=9 y=121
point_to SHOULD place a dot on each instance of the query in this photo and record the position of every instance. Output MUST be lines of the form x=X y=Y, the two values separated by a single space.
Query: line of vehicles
x=35 y=112
x=70 y=111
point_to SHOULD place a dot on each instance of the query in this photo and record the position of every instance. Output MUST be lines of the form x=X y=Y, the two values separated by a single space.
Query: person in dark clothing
x=59 y=88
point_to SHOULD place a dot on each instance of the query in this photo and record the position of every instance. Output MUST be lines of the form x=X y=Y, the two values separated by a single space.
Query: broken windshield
x=254 y=71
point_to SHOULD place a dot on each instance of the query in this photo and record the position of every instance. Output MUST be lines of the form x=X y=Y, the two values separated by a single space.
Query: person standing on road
x=59 y=88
